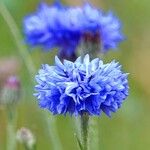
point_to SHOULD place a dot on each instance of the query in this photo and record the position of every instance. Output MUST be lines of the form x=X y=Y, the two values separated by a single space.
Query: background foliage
x=129 y=128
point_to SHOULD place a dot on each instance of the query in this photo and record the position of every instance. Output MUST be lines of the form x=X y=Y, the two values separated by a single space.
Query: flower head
x=49 y=27
x=82 y=86
x=66 y=27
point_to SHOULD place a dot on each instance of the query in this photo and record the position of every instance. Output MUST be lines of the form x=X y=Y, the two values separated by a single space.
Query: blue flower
x=82 y=86
x=65 y=28
x=49 y=28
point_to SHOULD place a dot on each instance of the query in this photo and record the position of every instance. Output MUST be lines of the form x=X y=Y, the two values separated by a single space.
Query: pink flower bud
x=10 y=93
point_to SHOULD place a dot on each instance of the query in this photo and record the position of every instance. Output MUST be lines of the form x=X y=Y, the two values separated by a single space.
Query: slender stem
x=84 y=130
x=23 y=51
x=11 y=125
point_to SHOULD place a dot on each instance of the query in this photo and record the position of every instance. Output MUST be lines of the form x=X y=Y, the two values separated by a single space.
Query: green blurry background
x=129 y=128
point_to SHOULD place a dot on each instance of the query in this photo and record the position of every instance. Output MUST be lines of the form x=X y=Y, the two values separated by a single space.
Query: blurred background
x=129 y=128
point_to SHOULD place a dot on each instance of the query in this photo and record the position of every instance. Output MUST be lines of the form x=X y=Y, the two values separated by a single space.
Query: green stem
x=84 y=130
x=11 y=125
x=23 y=51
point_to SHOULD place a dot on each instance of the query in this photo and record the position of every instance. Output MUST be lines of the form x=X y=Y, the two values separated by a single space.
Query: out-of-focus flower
x=82 y=86
x=25 y=136
x=50 y=27
x=10 y=92
x=67 y=27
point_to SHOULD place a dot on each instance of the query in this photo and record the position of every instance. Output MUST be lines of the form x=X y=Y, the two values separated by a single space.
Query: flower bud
x=10 y=93
x=25 y=136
